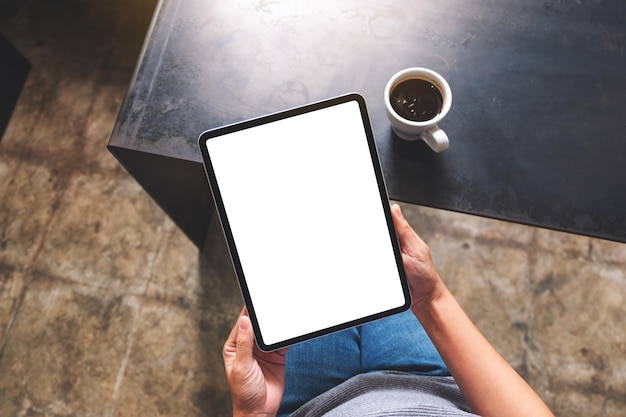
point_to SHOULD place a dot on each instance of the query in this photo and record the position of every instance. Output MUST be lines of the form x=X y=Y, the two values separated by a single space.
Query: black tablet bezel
x=232 y=247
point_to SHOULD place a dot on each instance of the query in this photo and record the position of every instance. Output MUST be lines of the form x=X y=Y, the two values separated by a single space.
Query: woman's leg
x=399 y=343
x=394 y=343
x=315 y=366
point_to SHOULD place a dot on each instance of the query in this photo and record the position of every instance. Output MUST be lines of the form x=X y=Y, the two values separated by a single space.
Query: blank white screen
x=306 y=216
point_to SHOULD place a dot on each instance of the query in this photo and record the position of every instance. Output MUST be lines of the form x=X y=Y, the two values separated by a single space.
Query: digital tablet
x=305 y=213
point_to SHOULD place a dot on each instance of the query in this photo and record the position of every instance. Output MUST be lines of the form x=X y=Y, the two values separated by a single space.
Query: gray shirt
x=388 y=394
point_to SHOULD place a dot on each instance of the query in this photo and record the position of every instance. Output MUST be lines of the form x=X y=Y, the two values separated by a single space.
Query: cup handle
x=436 y=139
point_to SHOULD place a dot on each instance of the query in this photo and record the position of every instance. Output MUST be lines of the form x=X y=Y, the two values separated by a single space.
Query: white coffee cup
x=422 y=125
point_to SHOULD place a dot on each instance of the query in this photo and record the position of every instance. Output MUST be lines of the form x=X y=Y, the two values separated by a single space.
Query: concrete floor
x=107 y=309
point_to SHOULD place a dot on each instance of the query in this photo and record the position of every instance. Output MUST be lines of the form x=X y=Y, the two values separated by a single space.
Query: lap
x=397 y=343
x=315 y=366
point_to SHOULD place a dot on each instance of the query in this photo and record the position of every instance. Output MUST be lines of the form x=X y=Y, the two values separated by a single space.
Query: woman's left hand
x=256 y=378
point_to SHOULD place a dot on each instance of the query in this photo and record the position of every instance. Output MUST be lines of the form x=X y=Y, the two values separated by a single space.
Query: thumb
x=245 y=341
x=406 y=235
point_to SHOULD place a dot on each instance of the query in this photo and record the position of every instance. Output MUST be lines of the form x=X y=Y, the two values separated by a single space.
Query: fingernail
x=244 y=323
x=400 y=211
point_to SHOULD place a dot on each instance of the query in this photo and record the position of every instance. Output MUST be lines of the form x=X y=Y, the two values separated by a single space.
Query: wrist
x=426 y=294
x=429 y=308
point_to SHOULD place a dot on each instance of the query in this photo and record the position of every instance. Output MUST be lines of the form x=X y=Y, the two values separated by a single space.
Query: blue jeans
x=395 y=343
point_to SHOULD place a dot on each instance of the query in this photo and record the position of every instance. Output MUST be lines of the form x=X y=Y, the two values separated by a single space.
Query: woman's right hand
x=424 y=281
x=490 y=385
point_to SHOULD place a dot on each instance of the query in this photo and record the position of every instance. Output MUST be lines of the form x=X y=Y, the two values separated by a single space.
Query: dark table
x=14 y=69
x=538 y=120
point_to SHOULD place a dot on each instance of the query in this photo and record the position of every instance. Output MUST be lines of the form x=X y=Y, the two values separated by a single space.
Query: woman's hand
x=424 y=281
x=490 y=385
x=256 y=378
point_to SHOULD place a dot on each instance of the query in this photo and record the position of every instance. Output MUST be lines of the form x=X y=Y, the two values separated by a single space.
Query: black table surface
x=14 y=69
x=538 y=119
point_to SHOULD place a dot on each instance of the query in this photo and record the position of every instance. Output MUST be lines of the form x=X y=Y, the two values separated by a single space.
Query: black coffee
x=417 y=100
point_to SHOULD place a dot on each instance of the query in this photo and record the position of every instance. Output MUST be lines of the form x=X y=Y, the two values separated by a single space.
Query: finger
x=406 y=235
x=245 y=341
x=230 y=346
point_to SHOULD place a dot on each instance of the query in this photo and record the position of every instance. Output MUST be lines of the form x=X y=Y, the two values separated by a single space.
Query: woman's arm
x=490 y=385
